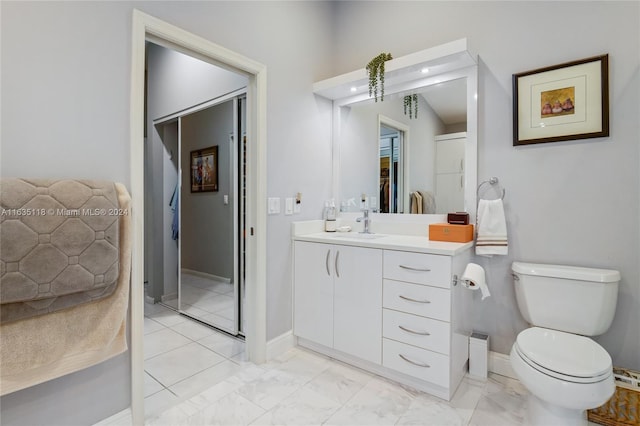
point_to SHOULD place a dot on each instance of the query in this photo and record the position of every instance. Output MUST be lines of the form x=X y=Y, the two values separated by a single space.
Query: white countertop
x=420 y=244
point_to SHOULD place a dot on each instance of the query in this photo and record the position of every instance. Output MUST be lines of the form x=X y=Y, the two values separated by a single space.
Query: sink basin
x=357 y=235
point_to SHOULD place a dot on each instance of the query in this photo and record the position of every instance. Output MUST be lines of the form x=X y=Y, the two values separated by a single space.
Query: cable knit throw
x=59 y=244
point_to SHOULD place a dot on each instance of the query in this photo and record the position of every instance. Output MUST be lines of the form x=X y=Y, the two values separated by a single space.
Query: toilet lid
x=564 y=353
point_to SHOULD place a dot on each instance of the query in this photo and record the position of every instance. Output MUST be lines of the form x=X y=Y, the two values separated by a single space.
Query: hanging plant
x=375 y=70
x=411 y=104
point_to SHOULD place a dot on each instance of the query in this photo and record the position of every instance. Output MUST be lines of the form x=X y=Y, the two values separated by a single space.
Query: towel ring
x=492 y=181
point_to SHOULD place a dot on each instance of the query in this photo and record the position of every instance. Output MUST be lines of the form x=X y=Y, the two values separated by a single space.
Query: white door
x=449 y=192
x=450 y=155
x=313 y=293
x=450 y=172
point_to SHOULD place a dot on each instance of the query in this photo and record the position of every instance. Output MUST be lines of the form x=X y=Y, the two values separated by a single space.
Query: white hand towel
x=491 y=228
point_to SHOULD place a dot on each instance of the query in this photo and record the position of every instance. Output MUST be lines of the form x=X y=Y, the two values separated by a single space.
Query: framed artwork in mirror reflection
x=204 y=169
x=562 y=102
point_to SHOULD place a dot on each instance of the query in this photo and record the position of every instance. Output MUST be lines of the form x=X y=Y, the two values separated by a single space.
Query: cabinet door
x=449 y=192
x=450 y=156
x=357 y=314
x=313 y=298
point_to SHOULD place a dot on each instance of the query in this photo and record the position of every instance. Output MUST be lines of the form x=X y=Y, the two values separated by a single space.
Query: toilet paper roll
x=473 y=278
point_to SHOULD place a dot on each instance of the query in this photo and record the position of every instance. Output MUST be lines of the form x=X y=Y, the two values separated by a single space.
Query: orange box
x=451 y=233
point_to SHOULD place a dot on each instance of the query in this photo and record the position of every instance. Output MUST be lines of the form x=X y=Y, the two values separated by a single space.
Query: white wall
x=566 y=202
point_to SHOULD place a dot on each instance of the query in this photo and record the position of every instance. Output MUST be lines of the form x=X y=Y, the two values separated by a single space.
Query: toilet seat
x=564 y=356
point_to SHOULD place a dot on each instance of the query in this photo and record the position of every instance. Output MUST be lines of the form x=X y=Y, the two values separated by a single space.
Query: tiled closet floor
x=207 y=299
x=197 y=376
x=183 y=357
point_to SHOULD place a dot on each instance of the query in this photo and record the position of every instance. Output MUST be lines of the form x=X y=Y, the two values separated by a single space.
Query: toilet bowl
x=565 y=372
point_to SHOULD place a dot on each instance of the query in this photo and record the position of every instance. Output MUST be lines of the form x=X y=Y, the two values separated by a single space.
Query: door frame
x=146 y=27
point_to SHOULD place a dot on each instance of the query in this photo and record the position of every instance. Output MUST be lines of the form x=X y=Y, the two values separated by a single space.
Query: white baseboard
x=205 y=275
x=170 y=296
x=280 y=344
x=498 y=363
x=501 y=364
x=121 y=418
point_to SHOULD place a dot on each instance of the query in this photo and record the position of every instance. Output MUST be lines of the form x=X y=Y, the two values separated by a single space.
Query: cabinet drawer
x=419 y=268
x=417 y=331
x=417 y=299
x=419 y=363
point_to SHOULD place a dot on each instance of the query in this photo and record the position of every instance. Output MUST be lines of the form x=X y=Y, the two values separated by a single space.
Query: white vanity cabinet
x=338 y=297
x=396 y=313
x=418 y=333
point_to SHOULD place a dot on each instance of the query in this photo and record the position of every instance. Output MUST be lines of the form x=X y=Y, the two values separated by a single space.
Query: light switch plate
x=274 y=205
x=288 y=206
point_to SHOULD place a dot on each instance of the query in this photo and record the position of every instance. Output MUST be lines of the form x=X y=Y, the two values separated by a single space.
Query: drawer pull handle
x=326 y=262
x=419 y=364
x=411 y=268
x=413 y=300
x=408 y=330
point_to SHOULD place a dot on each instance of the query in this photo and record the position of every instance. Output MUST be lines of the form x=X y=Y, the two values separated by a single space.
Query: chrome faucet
x=366 y=220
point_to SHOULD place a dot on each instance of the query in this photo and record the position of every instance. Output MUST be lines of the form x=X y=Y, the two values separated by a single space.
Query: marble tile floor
x=197 y=376
x=208 y=300
x=183 y=357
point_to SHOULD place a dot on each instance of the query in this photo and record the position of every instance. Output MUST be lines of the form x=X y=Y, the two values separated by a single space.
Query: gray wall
x=572 y=203
x=65 y=113
x=207 y=223
x=170 y=180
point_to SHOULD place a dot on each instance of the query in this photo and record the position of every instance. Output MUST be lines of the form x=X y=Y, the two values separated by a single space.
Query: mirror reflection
x=390 y=162
x=405 y=155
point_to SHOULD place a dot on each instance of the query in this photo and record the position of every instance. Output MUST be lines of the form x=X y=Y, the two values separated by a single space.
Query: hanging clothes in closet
x=173 y=204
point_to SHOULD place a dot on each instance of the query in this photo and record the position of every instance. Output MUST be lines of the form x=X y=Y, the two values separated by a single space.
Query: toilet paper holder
x=455 y=281
x=473 y=278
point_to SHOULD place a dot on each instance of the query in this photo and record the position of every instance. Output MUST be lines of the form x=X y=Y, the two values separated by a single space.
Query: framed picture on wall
x=204 y=169
x=562 y=102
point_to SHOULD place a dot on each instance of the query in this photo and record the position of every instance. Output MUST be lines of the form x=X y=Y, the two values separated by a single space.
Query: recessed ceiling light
x=353 y=89
x=424 y=70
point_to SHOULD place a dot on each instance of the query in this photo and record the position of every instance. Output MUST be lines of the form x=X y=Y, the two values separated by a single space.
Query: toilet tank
x=567 y=298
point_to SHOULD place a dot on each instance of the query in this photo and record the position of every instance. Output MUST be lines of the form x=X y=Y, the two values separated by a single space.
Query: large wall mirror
x=393 y=156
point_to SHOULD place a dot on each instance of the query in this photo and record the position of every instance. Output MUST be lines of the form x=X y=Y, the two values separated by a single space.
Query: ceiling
x=448 y=100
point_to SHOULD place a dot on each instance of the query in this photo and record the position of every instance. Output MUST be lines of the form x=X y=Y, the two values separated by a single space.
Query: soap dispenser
x=330 y=220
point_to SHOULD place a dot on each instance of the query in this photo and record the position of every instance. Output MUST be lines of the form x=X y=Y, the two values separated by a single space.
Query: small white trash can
x=479 y=355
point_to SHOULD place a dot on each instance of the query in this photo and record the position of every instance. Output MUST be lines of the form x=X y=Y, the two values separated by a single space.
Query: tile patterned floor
x=197 y=376
x=208 y=300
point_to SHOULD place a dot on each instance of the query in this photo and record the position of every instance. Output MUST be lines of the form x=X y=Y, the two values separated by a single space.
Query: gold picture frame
x=204 y=169
x=562 y=102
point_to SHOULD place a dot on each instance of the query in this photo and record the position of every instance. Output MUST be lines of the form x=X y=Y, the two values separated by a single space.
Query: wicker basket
x=623 y=408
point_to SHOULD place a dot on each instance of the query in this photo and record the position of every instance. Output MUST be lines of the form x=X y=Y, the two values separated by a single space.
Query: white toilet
x=565 y=372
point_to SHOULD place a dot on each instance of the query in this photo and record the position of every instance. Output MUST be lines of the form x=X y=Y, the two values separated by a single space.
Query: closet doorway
x=145 y=29
x=205 y=175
